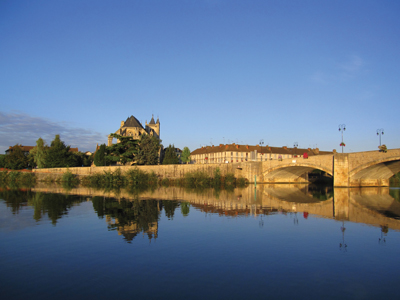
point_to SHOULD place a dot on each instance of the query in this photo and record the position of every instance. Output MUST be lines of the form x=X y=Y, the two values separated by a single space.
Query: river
x=269 y=241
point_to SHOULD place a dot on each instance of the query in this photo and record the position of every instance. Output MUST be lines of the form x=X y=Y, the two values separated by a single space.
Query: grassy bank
x=136 y=178
x=17 y=178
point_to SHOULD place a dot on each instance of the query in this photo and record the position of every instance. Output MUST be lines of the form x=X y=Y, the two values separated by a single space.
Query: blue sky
x=212 y=71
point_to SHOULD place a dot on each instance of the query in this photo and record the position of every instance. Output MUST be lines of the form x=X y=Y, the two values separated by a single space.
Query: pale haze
x=212 y=71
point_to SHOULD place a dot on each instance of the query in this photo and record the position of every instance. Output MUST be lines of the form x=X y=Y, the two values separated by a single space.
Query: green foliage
x=170 y=156
x=16 y=160
x=395 y=180
x=197 y=179
x=138 y=214
x=69 y=178
x=136 y=177
x=217 y=181
x=114 y=178
x=242 y=182
x=82 y=159
x=165 y=182
x=2 y=160
x=230 y=179
x=17 y=178
x=99 y=156
x=59 y=156
x=185 y=208
x=27 y=178
x=169 y=207
x=38 y=153
x=148 y=150
x=185 y=156
x=123 y=152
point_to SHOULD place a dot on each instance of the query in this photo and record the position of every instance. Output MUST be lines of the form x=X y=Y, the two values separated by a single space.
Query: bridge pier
x=341 y=204
x=341 y=170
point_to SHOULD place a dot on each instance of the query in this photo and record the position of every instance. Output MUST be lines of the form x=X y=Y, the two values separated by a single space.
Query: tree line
x=145 y=151
x=57 y=155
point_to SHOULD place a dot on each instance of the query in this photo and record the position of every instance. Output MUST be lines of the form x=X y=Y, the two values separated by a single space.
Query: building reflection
x=141 y=214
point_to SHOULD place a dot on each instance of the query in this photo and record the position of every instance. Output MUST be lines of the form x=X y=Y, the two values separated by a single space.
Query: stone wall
x=248 y=170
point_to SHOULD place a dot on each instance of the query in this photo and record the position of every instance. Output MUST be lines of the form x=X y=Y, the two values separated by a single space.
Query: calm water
x=275 y=242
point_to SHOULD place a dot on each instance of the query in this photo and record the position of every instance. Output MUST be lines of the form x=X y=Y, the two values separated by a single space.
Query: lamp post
x=380 y=133
x=342 y=128
x=261 y=143
x=295 y=145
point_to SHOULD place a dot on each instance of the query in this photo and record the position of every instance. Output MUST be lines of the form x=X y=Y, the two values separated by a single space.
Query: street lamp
x=261 y=143
x=295 y=145
x=380 y=133
x=342 y=128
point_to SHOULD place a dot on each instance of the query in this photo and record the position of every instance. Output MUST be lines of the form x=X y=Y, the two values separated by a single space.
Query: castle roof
x=132 y=122
x=152 y=120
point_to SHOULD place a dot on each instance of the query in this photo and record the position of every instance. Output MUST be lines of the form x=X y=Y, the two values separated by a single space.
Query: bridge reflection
x=373 y=206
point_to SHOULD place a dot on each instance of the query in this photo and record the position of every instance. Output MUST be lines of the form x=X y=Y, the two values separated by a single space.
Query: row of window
x=203 y=158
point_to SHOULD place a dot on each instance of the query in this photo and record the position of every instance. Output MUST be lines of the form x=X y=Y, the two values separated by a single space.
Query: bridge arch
x=291 y=172
x=378 y=169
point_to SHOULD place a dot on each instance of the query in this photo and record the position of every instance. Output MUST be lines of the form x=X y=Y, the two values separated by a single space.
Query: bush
x=242 y=182
x=165 y=182
x=230 y=179
x=217 y=181
x=27 y=178
x=197 y=179
x=69 y=178
x=17 y=178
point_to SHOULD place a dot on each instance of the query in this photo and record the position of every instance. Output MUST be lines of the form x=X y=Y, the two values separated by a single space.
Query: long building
x=232 y=153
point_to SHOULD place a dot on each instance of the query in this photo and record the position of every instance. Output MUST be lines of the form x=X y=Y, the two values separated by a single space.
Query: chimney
x=122 y=124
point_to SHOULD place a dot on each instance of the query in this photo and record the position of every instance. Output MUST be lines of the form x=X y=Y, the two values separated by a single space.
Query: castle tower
x=153 y=126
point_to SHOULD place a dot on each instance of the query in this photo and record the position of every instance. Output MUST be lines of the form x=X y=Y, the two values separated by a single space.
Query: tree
x=2 y=161
x=170 y=156
x=123 y=152
x=99 y=156
x=16 y=160
x=84 y=160
x=38 y=153
x=148 y=150
x=185 y=156
x=59 y=156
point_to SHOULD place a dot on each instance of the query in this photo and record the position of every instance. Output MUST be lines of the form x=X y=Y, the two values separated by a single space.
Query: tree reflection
x=169 y=207
x=185 y=207
x=52 y=205
x=129 y=217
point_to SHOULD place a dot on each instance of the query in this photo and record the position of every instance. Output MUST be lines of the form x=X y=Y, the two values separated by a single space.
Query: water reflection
x=129 y=215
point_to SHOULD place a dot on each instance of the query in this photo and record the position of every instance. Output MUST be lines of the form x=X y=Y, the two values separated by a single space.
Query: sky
x=213 y=72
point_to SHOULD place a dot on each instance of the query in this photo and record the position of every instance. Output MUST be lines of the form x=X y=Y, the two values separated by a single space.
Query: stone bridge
x=370 y=168
x=358 y=169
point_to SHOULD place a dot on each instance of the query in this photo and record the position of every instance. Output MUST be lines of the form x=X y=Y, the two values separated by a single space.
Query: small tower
x=153 y=126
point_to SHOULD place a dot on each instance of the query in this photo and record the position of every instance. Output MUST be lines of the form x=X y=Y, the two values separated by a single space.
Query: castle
x=132 y=127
